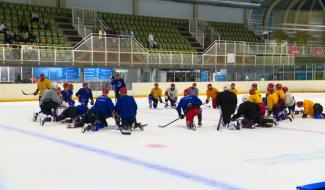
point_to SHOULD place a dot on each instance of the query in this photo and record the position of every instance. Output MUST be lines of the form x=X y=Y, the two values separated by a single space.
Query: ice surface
x=55 y=158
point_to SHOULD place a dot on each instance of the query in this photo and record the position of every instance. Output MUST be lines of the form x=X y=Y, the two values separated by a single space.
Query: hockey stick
x=163 y=126
x=219 y=124
x=27 y=94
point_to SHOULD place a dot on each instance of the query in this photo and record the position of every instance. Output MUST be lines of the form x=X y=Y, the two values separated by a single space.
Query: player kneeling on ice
x=314 y=110
x=103 y=109
x=66 y=93
x=171 y=95
x=155 y=96
x=50 y=102
x=255 y=98
x=252 y=117
x=290 y=103
x=190 y=105
x=227 y=100
x=212 y=93
x=126 y=112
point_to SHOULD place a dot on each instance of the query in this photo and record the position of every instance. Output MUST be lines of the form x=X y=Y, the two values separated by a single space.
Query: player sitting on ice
x=227 y=100
x=190 y=105
x=233 y=89
x=194 y=91
x=252 y=117
x=155 y=96
x=117 y=83
x=290 y=102
x=311 y=109
x=72 y=113
x=85 y=94
x=103 y=109
x=66 y=93
x=42 y=85
x=126 y=112
x=212 y=93
x=255 y=98
x=257 y=91
x=171 y=95
x=49 y=103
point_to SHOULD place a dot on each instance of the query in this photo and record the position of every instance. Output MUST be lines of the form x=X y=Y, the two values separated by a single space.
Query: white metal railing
x=125 y=51
x=202 y=32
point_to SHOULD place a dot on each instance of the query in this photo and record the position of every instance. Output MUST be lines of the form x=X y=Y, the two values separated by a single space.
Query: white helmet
x=226 y=88
x=245 y=98
x=54 y=85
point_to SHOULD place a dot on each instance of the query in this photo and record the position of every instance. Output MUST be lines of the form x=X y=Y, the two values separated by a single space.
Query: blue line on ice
x=153 y=166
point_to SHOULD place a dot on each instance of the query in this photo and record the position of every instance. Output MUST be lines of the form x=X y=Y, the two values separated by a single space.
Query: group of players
x=255 y=110
x=57 y=105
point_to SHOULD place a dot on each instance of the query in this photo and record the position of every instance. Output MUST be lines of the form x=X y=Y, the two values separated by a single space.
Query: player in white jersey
x=171 y=95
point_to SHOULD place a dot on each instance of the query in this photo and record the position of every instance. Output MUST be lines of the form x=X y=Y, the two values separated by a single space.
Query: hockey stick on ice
x=163 y=126
x=219 y=124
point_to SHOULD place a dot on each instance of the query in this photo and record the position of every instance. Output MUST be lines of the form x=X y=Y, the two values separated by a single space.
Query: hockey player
x=282 y=97
x=257 y=91
x=72 y=113
x=227 y=100
x=194 y=91
x=311 y=109
x=290 y=101
x=257 y=100
x=171 y=95
x=49 y=103
x=85 y=94
x=273 y=106
x=103 y=109
x=126 y=111
x=155 y=96
x=189 y=107
x=42 y=85
x=117 y=83
x=212 y=93
x=251 y=113
x=66 y=93
x=233 y=89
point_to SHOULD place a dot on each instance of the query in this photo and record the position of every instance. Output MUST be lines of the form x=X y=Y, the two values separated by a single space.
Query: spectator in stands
x=16 y=37
x=3 y=27
x=130 y=33
x=46 y=24
x=35 y=17
x=8 y=38
x=24 y=36
x=155 y=43
x=101 y=33
x=23 y=26
x=151 y=40
x=32 y=38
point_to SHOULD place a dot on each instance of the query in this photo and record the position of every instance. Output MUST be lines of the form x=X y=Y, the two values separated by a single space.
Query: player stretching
x=126 y=111
x=84 y=94
x=190 y=105
x=310 y=108
x=66 y=93
x=227 y=100
x=212 y=93
x=171 y=95
x=155 y=96
x=49 y=103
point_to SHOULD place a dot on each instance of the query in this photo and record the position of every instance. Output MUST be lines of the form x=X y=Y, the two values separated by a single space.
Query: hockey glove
x=207 y=101
x=35 y=93
x=181 y=116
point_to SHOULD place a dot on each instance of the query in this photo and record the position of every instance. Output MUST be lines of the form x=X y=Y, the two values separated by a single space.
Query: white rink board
x=55 y=158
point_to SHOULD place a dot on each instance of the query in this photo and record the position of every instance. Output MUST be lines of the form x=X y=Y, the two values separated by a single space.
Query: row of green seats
x=142 y=23
x=142 y=18
x=165 y=40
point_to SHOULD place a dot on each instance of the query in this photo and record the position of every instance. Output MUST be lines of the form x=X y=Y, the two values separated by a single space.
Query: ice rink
x=172 y=158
